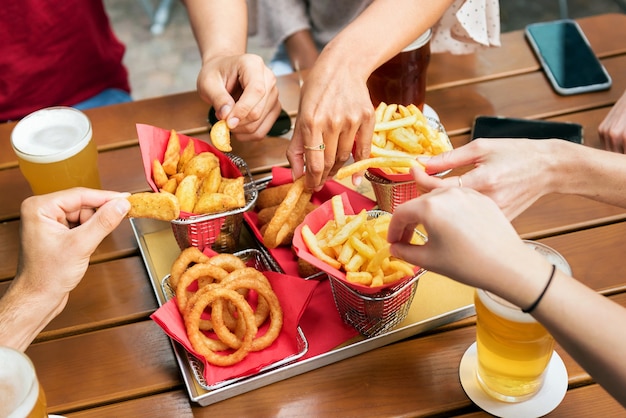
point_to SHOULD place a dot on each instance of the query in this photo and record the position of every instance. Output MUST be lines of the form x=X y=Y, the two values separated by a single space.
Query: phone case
x=566 y=57
x=504 y=127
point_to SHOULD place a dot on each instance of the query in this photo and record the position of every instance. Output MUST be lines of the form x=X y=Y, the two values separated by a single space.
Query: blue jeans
x=104 y=98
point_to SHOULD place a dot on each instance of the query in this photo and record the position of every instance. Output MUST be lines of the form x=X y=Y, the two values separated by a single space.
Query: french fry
x=376 y=162
x=402 y=133
x=359 y=247
x=311 y=242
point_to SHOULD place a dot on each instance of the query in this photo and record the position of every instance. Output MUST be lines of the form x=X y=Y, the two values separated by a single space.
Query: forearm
x=380 y=32
x=590 y=327
x=220 y=27
x=301 y=49
x=24 y=313
x=589 y=172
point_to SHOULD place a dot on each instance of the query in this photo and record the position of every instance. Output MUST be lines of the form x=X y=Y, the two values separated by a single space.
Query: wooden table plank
x=170 y=404
x=107 y=366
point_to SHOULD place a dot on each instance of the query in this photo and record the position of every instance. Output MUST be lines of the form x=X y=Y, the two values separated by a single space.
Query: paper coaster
x=549 y=396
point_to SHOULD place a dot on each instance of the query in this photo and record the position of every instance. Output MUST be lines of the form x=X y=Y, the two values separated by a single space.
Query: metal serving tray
x=438 y=301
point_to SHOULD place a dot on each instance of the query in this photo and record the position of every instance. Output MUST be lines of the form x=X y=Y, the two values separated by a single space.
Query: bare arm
x=517 y=172
x=471 y=241
x=335 y=107
x=238 y=85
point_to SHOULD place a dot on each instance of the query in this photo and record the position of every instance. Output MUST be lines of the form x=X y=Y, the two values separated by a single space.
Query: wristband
x=534 y=305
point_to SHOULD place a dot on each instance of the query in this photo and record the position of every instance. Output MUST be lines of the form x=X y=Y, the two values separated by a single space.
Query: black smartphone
x=503 y=127
x=566 y=57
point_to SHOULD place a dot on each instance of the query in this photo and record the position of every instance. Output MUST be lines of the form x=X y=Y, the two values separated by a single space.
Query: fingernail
x=122 y=206
x=232 y=123
x=356 y=181
x=225 y=110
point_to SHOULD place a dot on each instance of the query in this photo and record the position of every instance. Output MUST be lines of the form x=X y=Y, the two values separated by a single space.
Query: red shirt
x=56 y=53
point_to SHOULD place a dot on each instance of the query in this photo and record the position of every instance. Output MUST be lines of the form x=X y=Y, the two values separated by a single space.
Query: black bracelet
x=534 y=305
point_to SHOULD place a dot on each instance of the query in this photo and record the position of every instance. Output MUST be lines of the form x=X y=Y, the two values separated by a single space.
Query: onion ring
x=194 y=273
x=188 y=256
x=206 y=297
x=276 y=314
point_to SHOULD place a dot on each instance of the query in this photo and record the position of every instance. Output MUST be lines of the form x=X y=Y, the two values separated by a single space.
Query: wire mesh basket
x=377 y=313
x=219 y=231
x=261 y=262
x=390 y=194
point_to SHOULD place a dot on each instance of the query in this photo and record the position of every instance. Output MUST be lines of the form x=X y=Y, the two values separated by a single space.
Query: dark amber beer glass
x=402 y=79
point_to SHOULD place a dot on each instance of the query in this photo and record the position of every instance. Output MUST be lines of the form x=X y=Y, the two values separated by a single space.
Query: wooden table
x=103 y=356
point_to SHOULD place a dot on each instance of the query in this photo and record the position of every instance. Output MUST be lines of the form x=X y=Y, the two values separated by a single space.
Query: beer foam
x=18 y=383
x=503 y=308
x=51 y=135
x=551 y=255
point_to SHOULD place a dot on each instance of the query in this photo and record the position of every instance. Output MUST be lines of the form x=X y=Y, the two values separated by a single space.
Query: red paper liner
x=294 y=295
x=153 y=142
x=316 y=220
x=284 y=255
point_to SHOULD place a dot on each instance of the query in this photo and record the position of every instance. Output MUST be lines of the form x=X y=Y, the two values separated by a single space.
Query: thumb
x=104 y=221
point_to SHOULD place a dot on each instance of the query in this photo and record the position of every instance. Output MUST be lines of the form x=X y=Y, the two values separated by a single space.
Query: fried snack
x=358 y=247
x=188 y=257
x=204 y=298
x=195 y=178
x=279 y=227
x=162 y=206
x=306 y=269
x=172 y=154
x=220 y=278
x=401 y=134
x=234 y=188
x=187 y=192
x=158 y=174
x=272 y=196
x=249 y=281
x=215 y=203
x=220 y=136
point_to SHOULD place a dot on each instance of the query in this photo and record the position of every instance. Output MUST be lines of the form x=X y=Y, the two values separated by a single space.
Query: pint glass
x=21 y=394
x=55 y=150
x=402 y=79
x=513 y=348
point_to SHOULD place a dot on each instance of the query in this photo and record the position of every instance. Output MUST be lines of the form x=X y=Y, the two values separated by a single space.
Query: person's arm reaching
x=471 y=241
x=240 y=87
x=335 y=106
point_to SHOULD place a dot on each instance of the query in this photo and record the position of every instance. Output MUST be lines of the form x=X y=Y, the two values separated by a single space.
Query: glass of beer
x=402 y=79
x=21 y=394
x=55 y=150
x=513 y=349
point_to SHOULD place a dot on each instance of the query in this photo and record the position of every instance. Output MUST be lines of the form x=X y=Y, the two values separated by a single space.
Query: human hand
x=335 y=111
x=469 y=240
x=513 y=172
x=243 y=91
x=59 y=232
x=612 y=130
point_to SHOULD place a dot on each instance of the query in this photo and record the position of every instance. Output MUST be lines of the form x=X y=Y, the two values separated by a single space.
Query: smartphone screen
x=502 y=127
x=566 y=57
